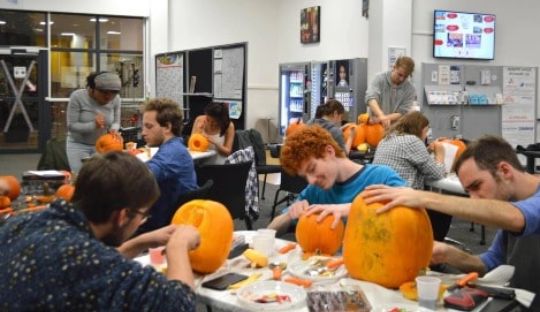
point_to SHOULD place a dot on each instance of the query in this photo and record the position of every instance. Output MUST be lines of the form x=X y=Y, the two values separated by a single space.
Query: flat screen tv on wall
x=463 y=35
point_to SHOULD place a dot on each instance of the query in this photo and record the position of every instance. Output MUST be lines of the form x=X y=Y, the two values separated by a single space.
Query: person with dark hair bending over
x=391 y=95
x=329 y=116
x=218 y=128
x=64 y=257
x=403 y=150
x=92 y=112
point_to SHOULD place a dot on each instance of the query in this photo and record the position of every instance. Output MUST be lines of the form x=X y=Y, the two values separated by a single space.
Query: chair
x=291 y=184
x=252 y=137
x=229 y=187
x=201 y=193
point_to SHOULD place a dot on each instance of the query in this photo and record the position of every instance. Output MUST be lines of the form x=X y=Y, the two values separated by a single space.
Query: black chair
x=290 y=184
x=201 y=193
x=252 y=137
x=229 y=187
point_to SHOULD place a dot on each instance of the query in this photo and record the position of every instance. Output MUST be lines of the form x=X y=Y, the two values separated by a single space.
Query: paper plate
x=250 y=294
x=302 y=269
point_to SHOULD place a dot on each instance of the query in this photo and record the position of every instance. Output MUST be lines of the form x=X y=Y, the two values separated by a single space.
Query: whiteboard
x=228 y=73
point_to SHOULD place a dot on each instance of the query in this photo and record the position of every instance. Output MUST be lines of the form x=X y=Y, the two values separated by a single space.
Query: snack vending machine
x=293 y=93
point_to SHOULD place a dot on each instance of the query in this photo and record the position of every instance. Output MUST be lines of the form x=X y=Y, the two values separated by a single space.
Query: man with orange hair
x=334 y=179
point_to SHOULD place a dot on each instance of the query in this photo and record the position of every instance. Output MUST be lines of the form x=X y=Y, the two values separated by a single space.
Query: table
x=195 y=155
x=381 y=299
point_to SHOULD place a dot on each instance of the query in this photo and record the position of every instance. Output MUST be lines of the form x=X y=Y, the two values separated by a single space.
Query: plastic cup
x=428 y=291
x=264 y=244
x=156 y=256
x=268 y=232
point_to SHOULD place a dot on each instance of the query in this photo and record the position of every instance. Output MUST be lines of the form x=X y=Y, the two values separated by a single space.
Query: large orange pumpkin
x=107 y=143
x=316 y=237
x=373 y=132
x=198 y=142
x=294 y=126
x=14 y=186
x=65 y=192
x=359 y=135
x=215 y=226
x=387 y=249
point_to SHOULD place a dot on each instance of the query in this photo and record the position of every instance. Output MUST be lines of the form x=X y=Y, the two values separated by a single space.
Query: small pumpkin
x=5 y=202
x=65 y=192
x=107 y=143
x=294 y=127
x=215 y=226
x=373 y=132
x=14 y=186
x=359 y=135
x=318 y=237
x=389 y=248
x=198 y=142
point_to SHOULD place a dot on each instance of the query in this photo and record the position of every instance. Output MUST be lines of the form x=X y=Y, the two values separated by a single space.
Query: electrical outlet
x=454 y=122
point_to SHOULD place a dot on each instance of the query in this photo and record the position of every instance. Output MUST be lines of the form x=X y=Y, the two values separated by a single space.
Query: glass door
x=24 y=113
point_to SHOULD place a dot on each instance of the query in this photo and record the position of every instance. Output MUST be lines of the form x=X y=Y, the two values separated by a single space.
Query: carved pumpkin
x=107 y=143
x=198 y=142
x=294 y=126
x=14 y=186
x=65 y=192
x=373 y=132
x=316 y=237
x=387 y=249
x=359 y=135
x=5 y=202
x=215 y=226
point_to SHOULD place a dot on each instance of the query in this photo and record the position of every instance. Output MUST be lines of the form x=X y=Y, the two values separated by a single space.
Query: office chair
x=229 y=187
x=290 y=184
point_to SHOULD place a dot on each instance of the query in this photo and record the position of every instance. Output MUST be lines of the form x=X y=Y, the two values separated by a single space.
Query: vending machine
x=343 y=80
x=294 y=93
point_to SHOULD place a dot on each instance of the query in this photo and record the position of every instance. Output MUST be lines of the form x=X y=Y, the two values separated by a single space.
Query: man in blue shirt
x=171 y=165
x=502 y=195
x=334 y=180
x=63 y=258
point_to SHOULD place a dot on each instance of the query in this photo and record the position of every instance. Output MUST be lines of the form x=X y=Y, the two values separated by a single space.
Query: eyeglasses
x=108 y=92
x=145 y=215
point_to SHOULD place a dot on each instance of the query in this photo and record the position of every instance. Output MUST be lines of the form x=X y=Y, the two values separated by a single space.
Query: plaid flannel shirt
x=408 y=156
x=252 y=183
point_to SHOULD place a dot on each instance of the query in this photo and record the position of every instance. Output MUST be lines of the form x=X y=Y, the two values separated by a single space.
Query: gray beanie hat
x=108 y=81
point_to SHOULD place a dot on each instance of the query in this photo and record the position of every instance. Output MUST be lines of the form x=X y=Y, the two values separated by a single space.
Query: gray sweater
x=81 y=115
x=392 y=99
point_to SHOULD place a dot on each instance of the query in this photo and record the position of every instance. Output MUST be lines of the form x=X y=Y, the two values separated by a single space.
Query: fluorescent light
x=44 y=23
x=101 y=19
x=67 y=34
x=38 y=29
x=112 y=32
x=3 y=23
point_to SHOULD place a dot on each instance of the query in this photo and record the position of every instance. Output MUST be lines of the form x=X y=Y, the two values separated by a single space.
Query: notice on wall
x=518 y=113
x=229 y=73
x=444 y=74
x=393 y=54
x=170 y=77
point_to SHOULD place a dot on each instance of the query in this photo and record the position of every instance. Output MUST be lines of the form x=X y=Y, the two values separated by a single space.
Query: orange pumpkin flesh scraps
x=108 y=143
x=316 y=238
x=387 y=249
x=215 y=226
x=198 y=142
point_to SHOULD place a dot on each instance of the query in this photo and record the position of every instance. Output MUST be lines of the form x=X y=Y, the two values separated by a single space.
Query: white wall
x=109 y=7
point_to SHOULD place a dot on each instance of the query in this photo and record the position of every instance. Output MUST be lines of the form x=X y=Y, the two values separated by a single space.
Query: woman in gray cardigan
x=92 y=112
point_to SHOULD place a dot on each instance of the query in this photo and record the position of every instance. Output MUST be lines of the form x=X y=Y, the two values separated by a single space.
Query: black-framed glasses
x=109 y=92
x=145 y=215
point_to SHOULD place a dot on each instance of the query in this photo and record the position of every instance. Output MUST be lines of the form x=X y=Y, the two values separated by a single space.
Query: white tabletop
x=380 y=298
x=195 y=155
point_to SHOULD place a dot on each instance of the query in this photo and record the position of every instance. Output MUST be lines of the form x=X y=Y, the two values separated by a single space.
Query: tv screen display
x=463 y=35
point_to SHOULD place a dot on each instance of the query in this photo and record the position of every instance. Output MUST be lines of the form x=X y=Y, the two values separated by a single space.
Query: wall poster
x=170 y=77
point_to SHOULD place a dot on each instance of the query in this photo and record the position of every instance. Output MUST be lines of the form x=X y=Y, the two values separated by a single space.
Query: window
x=81 y=44
x=18 y=28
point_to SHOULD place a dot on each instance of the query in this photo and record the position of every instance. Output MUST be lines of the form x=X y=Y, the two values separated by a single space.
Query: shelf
x=207 y=94
x=296 y=111
x=296 y=96
x=296 y=81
